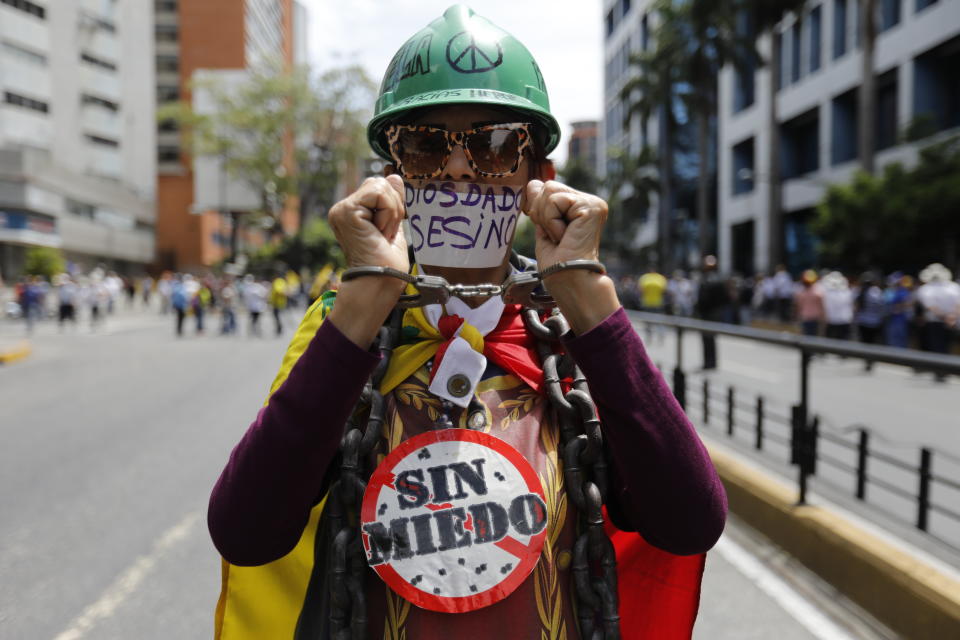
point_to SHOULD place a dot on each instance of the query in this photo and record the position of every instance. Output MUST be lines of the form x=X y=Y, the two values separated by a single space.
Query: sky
x=565 y=37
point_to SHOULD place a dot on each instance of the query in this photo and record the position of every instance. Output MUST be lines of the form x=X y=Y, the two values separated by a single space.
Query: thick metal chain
x=594 y=565
x=586 y=480
x=348 y=561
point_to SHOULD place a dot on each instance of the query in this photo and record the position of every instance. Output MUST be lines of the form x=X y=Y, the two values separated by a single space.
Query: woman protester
x=474 y=486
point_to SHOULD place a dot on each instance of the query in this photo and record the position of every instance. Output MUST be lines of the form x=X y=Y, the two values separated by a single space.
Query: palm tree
x=706 y=33
x=765 y=16
x=640 y=174
x=868 y=95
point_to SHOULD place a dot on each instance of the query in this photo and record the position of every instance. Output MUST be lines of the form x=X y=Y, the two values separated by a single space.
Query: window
x=166 y=33
x=26 y=55
x=168 y=94
x=610 y=23
x=743 y=167
x=100 y=23
x=167 y=154
x=168 y=63
x=886 y=117
x=100 y=102
x=162 y=6
x=98 y=62
x=839 y=28
x=801 y=149
x=27 y=7
x=168 y=126
x=625 y=7
x=843 y=134
x=743 y=76
x=816 y=38
x=18 y=100
x=889 y=14
x=936 y=88
x=796 y=41
x=644 y=33
x=105 y=142
x=81 y=209
x=923 y=4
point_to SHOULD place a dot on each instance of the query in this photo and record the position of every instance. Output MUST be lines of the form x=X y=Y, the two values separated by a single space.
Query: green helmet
x=462 y=58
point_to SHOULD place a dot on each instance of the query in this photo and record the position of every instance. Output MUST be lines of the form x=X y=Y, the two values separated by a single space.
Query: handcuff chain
x=522 y=288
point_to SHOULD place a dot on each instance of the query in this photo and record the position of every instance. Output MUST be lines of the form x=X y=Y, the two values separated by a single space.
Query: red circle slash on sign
x=454 y=520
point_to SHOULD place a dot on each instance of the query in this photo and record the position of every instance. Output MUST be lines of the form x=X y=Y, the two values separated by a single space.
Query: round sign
x=454 y=520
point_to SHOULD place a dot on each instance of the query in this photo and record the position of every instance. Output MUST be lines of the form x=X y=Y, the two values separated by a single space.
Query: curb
x=18 y=351
x=912 y=598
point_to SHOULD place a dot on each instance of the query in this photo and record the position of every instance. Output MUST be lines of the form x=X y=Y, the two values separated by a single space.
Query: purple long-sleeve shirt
x=667 y=487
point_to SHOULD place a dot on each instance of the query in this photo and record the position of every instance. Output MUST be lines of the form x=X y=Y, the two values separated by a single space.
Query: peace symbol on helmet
x=467 y=56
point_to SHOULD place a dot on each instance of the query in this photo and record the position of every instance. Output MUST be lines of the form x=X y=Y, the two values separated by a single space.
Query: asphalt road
x=112 y=441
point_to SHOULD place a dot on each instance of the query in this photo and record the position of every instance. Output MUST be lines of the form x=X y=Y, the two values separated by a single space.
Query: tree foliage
x=901 y=219
x=311 y=248
x=283 y=132
x=44 y=261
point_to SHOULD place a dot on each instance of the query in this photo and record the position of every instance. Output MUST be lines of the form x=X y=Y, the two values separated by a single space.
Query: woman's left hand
x=568 y=222
x=568 y=227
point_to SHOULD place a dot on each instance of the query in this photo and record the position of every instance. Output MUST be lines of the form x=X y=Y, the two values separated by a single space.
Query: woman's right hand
x=367 y=224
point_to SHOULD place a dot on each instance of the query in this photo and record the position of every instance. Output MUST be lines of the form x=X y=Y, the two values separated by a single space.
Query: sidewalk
x=16 y=344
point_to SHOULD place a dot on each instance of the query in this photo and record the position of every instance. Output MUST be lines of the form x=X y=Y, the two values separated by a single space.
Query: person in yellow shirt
x=278 y=301
x=653 y=290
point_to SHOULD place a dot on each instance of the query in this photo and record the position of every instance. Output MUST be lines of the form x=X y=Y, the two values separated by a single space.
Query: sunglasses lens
x=495 y=150
x=420 y=152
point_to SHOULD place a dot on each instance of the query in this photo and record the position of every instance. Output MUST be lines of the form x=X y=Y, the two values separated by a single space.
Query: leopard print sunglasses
x=492 y=151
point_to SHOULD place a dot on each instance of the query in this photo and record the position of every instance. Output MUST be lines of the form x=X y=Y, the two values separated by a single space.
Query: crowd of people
x=67 y=297
x=897 y=309
x=70 y=299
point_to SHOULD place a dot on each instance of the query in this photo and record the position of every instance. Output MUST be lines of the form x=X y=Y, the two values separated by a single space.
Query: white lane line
x=128 y=581
x=782 y=593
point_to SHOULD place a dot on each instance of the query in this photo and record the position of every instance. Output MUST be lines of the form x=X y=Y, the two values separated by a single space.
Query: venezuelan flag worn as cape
x=659 y=591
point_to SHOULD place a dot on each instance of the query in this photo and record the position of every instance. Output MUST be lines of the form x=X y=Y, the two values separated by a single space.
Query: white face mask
x=461 y=224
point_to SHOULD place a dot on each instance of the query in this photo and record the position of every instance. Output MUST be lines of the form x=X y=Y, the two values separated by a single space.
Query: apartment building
x=916 y=69
x=213 y=38
x=77 y=131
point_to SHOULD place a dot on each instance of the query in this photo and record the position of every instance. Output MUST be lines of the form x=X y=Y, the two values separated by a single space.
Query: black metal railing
x=801 y=434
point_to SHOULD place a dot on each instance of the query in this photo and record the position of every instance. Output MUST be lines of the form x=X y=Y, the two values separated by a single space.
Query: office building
x=665 y=232
x=916 y=62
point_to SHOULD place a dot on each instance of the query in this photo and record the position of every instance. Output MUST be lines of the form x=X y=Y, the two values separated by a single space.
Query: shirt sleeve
x=668 y=487
x=262 y=500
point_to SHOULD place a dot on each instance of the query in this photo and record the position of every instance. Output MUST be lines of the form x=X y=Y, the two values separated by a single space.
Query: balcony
x=17 y=26
x=101 y=121
x=100 y=82
x=104 y=161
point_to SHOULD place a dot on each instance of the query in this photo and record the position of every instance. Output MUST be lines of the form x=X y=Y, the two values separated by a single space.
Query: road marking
x=782 y=593
x=128 y=581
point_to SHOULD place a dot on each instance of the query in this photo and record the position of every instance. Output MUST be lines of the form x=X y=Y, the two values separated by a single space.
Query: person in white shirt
x=940 y=298
x=255 y=299
x=837 y=305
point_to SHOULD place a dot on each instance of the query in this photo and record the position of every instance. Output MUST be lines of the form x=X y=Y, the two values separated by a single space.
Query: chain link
x=594 y=568
x=585 y=477
x=348 y=562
